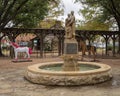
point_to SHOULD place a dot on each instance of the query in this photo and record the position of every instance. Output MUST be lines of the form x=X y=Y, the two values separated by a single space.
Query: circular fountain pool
x=51 y=74
x=58 y=67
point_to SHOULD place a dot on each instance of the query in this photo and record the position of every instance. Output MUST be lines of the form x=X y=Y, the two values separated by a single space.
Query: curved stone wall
x=40 y=76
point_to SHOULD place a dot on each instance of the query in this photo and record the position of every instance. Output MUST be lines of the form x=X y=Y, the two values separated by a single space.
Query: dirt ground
x=13 y=83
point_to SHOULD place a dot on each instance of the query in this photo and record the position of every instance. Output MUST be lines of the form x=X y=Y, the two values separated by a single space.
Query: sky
x=70 y=6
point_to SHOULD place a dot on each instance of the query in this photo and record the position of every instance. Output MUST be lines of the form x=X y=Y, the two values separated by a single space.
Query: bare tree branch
x=6 y=12
x=5 y=3
x=13 y=16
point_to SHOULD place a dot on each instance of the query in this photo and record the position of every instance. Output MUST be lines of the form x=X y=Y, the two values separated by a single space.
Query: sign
x=71 y=48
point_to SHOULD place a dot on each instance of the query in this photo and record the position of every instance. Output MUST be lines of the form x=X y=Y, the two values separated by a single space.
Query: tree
x=38 y=10
x=26 y=13
x=56 y=9
x=31 y=13
x=9 y=9
x=93 y=25
x=105 y=9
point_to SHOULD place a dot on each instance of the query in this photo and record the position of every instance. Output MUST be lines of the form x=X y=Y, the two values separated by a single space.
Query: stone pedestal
x=70 y=55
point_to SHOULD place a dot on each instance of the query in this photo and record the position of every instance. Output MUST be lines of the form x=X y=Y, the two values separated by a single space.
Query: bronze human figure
x=70 y=26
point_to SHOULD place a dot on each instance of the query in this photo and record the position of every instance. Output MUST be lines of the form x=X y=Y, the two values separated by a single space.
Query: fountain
x=70 y=71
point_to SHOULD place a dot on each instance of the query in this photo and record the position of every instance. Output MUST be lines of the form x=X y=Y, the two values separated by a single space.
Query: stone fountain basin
x=36 y=74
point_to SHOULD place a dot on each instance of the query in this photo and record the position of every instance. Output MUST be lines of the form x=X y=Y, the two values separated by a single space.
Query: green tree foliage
x=51 y=23
x=56 y=9
x=9 y=9
x=31 y=13
x=104 y=10
x=25 y=13
x=36 y=11
x=47 y=23
x=93 y=25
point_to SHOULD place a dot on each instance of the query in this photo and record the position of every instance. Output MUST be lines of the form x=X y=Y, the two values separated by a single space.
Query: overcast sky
x=70 y=6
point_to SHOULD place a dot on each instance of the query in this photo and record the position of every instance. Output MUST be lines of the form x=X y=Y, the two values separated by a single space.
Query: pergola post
x=63 y=44
x=59 y=44
x=119 y=43
x=41 y=45
x=106 y=41
x=113 y=51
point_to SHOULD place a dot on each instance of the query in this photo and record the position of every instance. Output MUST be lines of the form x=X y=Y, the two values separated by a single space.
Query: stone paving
x=13 y=83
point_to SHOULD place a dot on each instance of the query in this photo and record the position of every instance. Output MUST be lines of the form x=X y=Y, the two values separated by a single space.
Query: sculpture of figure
x=70 y=26
x=17 y=49
x=72 y=23
x=88 y=48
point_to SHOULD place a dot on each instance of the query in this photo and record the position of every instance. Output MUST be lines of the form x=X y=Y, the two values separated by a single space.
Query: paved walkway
x=12 y=82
